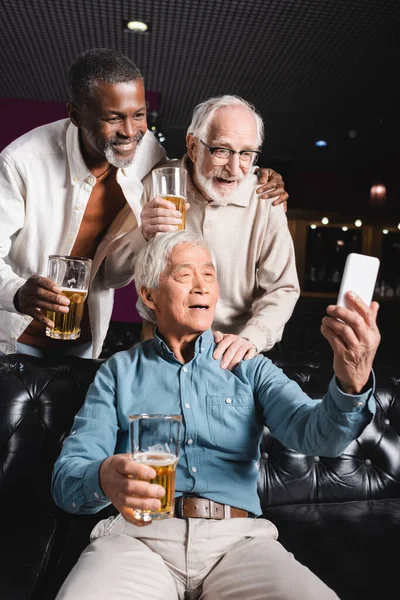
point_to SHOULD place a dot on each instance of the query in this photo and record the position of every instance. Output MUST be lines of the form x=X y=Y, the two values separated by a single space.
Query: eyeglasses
x=221 y=156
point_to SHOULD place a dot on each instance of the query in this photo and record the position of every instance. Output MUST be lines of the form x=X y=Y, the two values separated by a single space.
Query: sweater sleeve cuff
x=138 y=241
x=258 y=337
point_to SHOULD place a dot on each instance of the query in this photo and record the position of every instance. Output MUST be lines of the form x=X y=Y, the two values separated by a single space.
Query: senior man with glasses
x=215 y=547
x=249 y=235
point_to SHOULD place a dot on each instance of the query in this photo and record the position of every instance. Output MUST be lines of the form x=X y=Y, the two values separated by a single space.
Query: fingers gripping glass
x=221 y=156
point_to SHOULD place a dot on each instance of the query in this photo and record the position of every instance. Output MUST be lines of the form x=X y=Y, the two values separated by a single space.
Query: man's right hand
x=39 y=294
x=125 y=484
x=354 y=337
x=160 y=216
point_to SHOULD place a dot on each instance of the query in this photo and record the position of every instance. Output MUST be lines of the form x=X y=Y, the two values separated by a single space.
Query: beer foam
x=156 y=459
x=73 y=290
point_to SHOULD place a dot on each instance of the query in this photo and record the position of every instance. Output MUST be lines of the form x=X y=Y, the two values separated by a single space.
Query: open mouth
x=124 y=146
x=201 y=307
x=226 y=182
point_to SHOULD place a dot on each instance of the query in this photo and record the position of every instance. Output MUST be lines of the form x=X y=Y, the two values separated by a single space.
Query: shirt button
x=96 y=495
x=69 y=239
x=184 y=369
x=91 y=179
x=190 y=442
x=386 y=422
x=78 y=207
x=187 y=405
x=207 y=224
x=73 y=505
x=228 y=400
x=12 y=336
x=75 y=179
x=194 y=469
x=316 y=459
x=368 y=462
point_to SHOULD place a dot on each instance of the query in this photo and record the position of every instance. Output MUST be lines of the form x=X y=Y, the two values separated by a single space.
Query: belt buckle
x=179 y=508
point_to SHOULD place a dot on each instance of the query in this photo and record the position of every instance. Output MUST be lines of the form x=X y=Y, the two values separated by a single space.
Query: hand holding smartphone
x=359 y=276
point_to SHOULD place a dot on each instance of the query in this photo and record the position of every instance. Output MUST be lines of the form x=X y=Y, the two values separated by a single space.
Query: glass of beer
x=72 y=275
x=170 y=183
x=155 y=441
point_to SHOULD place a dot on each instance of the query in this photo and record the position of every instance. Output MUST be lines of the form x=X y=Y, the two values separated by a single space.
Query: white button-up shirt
x=44 y=189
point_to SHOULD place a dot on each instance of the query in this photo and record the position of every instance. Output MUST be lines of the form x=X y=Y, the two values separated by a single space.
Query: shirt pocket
x=231 y=421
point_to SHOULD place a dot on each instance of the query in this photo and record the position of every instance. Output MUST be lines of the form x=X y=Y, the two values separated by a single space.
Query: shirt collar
x=241 y=197
x=77 y=166
x=202 y=345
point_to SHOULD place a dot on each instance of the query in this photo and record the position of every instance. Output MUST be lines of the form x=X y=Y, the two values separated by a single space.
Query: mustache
x=117 y=140
x=222 y=173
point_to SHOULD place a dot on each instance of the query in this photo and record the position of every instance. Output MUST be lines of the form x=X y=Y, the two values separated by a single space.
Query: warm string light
x=357 y=223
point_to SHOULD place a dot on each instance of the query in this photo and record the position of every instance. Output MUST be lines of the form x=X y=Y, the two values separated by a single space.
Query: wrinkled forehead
x=232 y=123
x=190 y=256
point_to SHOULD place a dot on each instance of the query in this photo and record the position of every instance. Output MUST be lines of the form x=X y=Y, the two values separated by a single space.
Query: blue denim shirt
x=223 y=412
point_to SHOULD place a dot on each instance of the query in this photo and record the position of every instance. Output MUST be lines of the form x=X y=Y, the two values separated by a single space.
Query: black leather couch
x=340 y=516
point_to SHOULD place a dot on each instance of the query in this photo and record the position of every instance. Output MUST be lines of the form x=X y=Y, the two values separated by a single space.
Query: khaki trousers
x=235 y=559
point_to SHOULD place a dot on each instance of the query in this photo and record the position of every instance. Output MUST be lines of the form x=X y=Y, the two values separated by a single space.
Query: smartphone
x=359 y=276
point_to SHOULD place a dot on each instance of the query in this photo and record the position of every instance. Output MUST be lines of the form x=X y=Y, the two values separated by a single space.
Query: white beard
x=207 y=187
x=120 y=163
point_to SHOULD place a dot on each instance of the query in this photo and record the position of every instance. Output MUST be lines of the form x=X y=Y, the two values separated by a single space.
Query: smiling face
x=112 y=122
x=185 y=301
x=232 y=127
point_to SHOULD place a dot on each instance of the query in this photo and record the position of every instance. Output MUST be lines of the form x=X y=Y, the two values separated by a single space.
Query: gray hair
x=203 y=114
x=152 y=259
x=99 y=64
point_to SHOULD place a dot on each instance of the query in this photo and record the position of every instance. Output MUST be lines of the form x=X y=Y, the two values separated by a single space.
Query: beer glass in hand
x=72 y=275
x=170 y=183
x=155 y=441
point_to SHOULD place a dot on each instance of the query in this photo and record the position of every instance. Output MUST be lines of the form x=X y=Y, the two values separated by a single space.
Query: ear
x=147 y=298
x=74 y=114
x=191 y=146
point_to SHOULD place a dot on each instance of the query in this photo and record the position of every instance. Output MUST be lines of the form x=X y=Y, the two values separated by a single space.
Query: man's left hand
x=271 y=186
x=233 y=349
x=354 y=337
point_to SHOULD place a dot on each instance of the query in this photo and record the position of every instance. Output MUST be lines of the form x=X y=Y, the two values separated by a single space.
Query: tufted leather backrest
x=368 y=469
x=39 y=399
x=38 y=402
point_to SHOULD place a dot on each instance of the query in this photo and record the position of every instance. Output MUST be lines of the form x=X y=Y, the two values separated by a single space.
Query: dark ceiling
x=313 y=68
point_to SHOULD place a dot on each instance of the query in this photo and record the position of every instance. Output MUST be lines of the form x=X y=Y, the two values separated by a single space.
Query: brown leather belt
x=201 y=508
